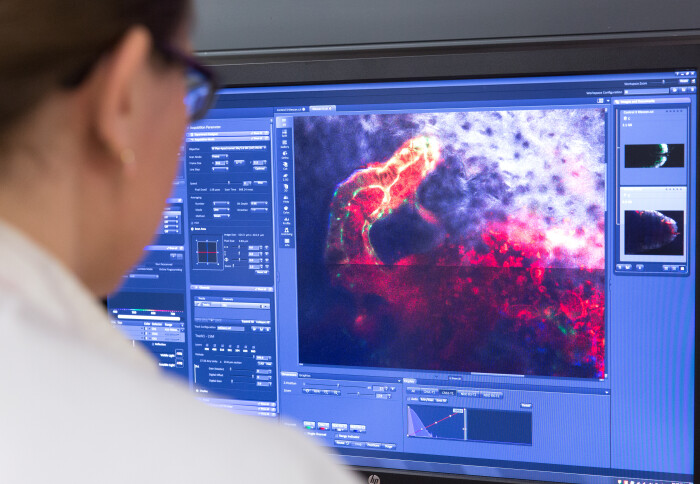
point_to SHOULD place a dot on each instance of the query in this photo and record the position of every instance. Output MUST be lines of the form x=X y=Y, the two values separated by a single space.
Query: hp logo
x=374 y=479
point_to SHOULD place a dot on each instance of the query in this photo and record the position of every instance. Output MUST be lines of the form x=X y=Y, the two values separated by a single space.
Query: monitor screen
x=469 y=277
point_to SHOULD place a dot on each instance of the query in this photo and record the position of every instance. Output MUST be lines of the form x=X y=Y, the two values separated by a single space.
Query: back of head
x=52 y=44
x=68 y=71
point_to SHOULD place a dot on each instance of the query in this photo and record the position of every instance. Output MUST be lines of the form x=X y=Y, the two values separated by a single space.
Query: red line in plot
x=434 y=423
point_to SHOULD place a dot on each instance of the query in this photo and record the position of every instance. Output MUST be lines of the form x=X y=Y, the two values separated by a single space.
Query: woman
x=91 y=120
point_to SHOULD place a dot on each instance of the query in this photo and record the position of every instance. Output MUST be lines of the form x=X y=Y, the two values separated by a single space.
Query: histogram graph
x=434 y=422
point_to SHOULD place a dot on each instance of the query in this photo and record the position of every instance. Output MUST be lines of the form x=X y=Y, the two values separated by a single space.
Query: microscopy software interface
x=489 y=277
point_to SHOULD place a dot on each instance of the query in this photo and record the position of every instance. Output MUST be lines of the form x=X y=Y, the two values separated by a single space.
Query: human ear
x=116 y=94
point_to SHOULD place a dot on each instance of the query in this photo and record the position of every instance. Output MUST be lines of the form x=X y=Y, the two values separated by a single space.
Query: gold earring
x=128 y=156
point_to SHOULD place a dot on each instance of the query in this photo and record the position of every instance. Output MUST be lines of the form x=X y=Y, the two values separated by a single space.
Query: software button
x=469 y=393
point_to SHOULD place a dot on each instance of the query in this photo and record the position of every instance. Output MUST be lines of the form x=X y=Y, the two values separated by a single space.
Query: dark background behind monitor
x=296 y=32
x=315 y=41
x=225 y=25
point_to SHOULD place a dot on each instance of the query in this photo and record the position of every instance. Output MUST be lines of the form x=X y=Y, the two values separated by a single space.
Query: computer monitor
x=474 y=264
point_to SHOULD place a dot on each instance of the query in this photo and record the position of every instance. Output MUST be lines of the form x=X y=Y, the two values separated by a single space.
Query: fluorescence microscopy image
x=455 y=241
x=654 y=232
x=655 y=156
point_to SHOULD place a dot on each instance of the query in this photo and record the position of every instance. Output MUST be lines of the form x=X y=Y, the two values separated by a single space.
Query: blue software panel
x=653 y=367
x=233 y=346
x=231 y=267
x=229 y=200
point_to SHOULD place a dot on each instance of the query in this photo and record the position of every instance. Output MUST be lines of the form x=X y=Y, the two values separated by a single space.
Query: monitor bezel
x=319 y=66
x=548 y=57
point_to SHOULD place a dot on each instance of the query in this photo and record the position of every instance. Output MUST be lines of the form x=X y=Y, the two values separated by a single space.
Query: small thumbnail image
x=654 y=232
x=655 y=156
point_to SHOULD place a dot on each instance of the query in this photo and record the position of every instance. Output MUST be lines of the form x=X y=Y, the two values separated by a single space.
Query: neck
x=50 y=189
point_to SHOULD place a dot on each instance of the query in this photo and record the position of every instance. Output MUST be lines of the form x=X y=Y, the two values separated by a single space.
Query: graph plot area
x=433 y=422
x=206 y=253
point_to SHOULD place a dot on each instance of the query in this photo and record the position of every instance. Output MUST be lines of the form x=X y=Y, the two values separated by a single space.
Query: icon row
x=683 y=89
x=335 y=427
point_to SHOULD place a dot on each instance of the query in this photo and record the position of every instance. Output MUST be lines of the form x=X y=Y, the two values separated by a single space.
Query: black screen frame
x=547 y=57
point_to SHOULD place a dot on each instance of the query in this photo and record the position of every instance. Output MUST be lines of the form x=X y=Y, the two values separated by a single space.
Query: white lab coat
x=79 y=404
